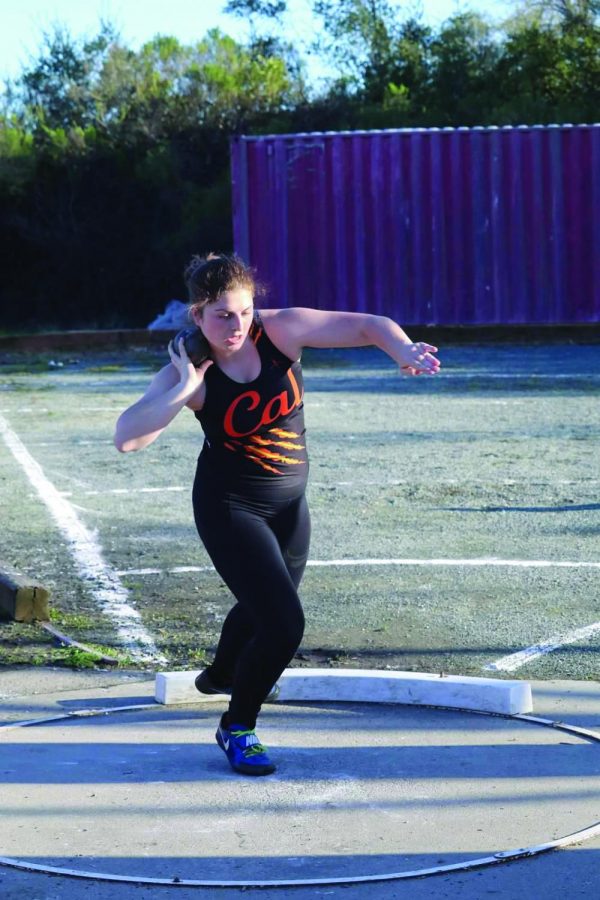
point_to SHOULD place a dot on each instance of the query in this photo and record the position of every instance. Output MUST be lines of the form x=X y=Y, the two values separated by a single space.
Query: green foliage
x=550 y=73
x=568 y=12
x=76 y=658
x=245 y=8
x=463 y=60
x=77 y=94
x=360 y=35
x=114 y=163
x=56 y=93
x=238 y=84
x=70 y=620
x=543 y=66
x=14 y=141
x=17 y=159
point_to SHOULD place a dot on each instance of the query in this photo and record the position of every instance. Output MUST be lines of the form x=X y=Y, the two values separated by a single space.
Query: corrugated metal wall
x=430 y=226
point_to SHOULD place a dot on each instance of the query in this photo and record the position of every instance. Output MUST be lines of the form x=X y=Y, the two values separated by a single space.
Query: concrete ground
x=360 y=790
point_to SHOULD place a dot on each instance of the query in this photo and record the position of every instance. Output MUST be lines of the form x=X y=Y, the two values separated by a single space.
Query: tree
x=567 y=12
x=408 y=88
x=550 y=67
x=271 y=9
x=114 y=165
x=359 y=35
x=265 y=18
x=463 y=59
x=56 y=91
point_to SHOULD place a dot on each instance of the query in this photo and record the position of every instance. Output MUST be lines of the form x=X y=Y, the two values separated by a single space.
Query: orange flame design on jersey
x=258 y=454
x=284 y=434
x=277 y=457
x=263 y=464
x=286 y=445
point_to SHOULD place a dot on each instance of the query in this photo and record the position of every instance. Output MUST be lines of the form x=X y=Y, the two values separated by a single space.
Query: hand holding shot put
x=249 y=491
x=172 y=388
x=190 y=370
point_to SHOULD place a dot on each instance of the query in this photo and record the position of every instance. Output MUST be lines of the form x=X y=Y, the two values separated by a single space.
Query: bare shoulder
x=275 y=315
x=269 y=317
x=281 y=326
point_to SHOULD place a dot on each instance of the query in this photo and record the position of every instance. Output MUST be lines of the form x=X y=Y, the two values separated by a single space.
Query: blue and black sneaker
x=244 y=751
x=205 y=684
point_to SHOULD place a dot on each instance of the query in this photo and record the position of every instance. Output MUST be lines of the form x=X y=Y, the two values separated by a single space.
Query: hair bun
x=207 y=277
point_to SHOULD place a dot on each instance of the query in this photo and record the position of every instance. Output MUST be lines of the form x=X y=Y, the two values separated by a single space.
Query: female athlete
x=248 y=495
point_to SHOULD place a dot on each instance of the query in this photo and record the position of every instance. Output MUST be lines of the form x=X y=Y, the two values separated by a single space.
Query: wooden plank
x=22 y=599
x=69 y=642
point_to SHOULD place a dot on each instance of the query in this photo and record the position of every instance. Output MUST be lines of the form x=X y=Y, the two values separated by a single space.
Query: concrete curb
x=437 y=334
x=85 y=340
x=372 y=686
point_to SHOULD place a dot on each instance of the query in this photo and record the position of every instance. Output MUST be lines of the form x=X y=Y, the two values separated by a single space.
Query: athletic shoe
x=244 y=751
x=206 y=685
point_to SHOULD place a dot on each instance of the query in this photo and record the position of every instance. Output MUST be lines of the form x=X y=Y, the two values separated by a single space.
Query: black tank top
x=256 y=429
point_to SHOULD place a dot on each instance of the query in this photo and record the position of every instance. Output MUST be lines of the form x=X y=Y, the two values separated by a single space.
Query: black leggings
x=259 y=547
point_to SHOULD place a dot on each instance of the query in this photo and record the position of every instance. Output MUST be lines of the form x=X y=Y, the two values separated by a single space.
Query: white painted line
x=433 y=482
x=518 y=376
x=67 y=442
x=329 y=484
x=125 y=491
x=44 y=409
x=32 y=409
x=484 y=561
x=514 y=661
x=372 y=686
x=149 y=490
x=473 y=563
x=176 y=570
x=100 y=578
x=121 y=572
x=343 y=373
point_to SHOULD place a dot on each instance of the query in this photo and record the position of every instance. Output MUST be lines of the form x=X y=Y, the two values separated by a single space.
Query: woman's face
x=226 y=323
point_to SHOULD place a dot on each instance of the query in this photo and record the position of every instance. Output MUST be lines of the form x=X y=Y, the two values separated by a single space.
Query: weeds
x=70 y=620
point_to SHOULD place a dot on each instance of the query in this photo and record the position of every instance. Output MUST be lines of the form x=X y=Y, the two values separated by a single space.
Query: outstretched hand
x=417 y=359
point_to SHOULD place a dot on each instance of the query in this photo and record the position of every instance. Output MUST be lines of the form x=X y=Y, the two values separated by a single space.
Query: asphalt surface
x=496 y=457
x=360 y=790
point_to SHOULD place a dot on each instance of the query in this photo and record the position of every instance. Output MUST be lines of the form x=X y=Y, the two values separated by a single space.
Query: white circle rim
x=481 y=862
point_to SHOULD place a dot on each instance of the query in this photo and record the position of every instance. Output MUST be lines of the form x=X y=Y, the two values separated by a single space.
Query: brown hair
x=207 y=277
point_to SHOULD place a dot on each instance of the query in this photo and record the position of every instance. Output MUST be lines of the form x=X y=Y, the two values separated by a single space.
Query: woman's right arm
x=170 y=390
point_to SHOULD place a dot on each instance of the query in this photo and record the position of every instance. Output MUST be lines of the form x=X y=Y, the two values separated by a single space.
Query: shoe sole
x=270 y=698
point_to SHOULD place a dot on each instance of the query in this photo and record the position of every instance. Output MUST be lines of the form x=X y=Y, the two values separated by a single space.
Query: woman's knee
x=290 y=628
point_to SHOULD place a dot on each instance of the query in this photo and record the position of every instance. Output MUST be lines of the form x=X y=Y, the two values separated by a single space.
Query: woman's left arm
x=298 y=327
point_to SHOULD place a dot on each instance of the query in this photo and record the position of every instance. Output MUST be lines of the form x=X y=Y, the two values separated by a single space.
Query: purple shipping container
x=467 y=226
